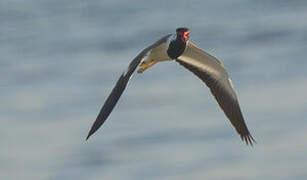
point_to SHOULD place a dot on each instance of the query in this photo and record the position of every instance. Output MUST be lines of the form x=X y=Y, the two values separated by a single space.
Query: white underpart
x=146 y=56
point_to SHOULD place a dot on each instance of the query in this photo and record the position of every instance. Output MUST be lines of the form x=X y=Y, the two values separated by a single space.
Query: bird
x=178 y=47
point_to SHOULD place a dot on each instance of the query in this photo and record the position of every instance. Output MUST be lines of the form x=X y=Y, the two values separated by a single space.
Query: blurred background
x=60 y=60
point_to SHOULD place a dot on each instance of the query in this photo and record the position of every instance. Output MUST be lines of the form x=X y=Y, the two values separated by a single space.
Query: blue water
x=60 y=60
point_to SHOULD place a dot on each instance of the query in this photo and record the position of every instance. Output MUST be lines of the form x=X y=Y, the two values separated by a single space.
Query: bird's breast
x=176 y=48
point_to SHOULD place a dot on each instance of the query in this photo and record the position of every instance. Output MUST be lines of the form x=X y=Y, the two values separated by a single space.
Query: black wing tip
x=88 y=136
x=91 y=132
x=248 y=139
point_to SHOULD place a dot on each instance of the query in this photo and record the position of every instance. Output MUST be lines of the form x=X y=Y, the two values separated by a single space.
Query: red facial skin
x=184 y=36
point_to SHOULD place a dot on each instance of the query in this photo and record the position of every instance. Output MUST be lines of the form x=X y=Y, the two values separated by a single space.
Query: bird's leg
x=146 y=64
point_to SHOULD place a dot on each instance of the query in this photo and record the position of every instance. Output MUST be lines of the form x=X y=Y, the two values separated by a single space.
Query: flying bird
x=177 y=47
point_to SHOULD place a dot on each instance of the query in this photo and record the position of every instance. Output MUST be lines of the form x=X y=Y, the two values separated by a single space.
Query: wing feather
x=212 y=72
x=120 y=87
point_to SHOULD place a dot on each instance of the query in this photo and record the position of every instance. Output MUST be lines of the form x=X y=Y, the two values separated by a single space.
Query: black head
x=178 y=45
x=183 y=33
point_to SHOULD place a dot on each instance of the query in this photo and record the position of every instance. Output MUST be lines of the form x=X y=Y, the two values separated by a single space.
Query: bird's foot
x=145 y=65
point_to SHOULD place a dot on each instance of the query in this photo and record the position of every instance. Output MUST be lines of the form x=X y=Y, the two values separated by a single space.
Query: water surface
x=60 y=60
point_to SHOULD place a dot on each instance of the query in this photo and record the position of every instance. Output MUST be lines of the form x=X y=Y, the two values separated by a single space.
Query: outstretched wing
x=212 y=72
x=120 y=87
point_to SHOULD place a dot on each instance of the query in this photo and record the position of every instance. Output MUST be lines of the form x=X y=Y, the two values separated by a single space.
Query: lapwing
x=177 y=47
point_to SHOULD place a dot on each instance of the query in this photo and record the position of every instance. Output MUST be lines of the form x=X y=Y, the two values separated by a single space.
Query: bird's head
x=183 y=33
